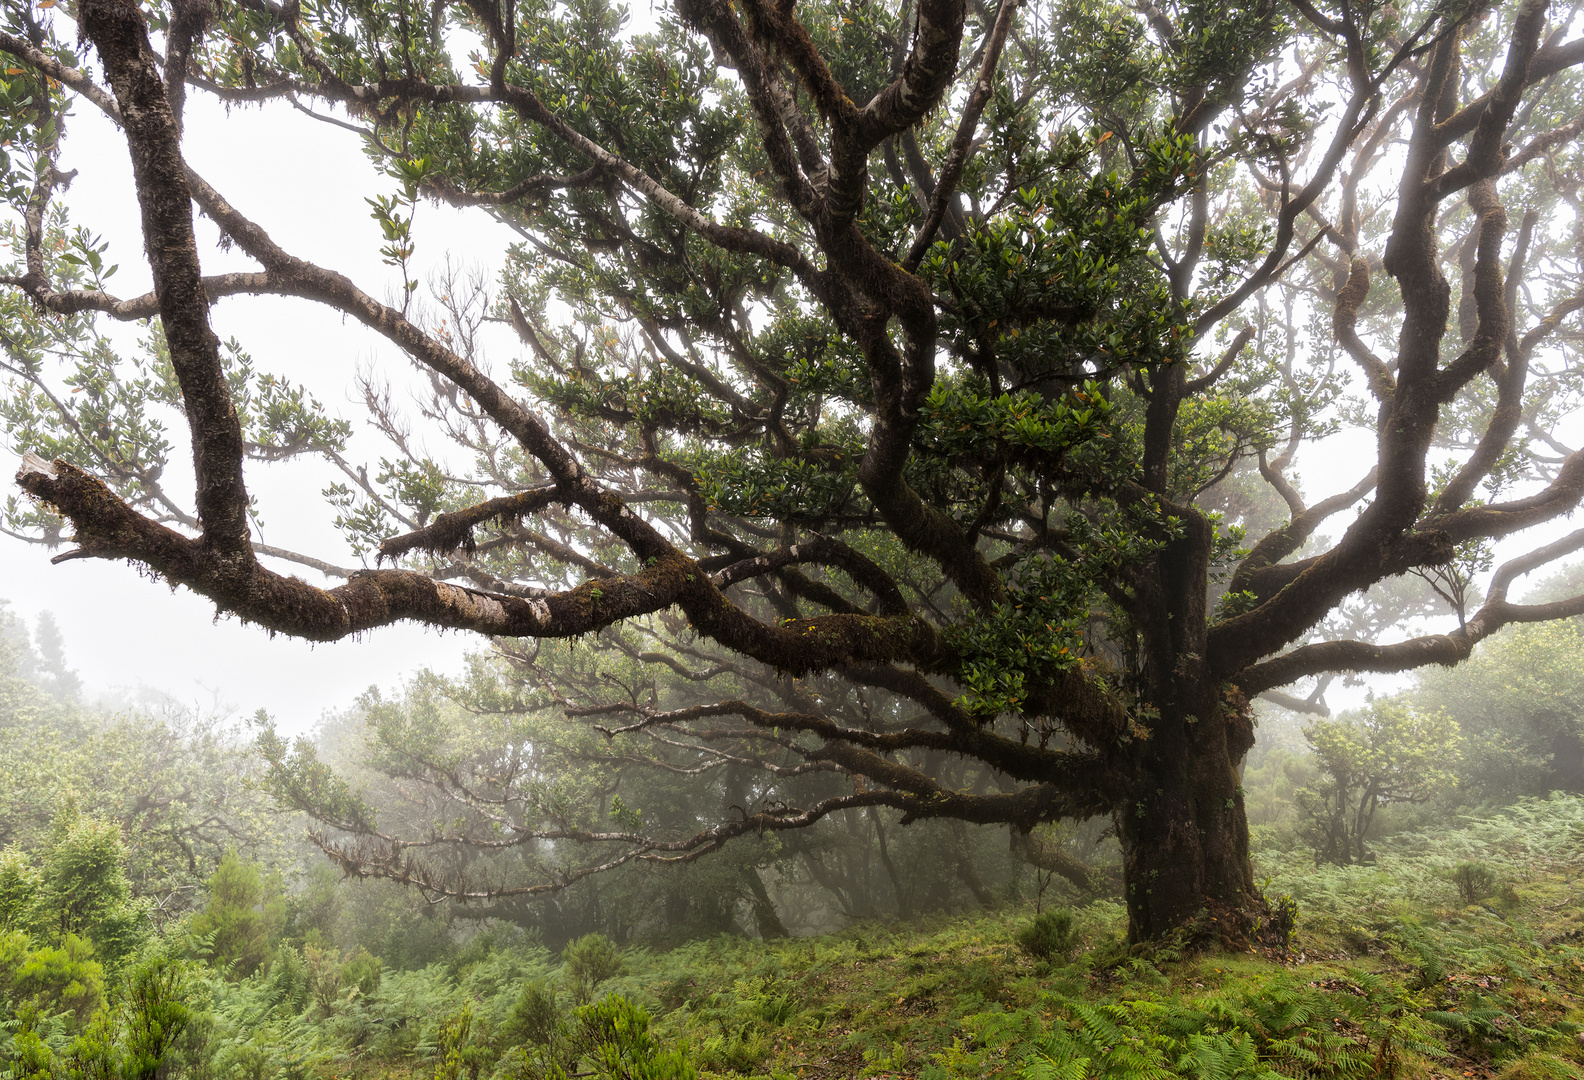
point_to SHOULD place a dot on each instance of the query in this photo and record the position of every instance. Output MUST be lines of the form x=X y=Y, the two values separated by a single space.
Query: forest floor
x=1457 y=954
x=1390 y=973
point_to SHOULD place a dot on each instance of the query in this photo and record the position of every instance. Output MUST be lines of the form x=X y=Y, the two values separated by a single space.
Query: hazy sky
x=305 y=182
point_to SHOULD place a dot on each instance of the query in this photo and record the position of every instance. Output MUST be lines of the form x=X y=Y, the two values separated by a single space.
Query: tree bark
x=1183 y=829
x=967 y=872
x=765 y=917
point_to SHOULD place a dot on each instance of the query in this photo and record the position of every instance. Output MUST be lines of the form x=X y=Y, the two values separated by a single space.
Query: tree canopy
x=902 y=389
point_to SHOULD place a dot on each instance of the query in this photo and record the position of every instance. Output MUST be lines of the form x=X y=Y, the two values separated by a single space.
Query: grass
x=1390 y=974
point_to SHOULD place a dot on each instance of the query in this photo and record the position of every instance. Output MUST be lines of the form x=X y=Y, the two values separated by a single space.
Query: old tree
x=909 y=395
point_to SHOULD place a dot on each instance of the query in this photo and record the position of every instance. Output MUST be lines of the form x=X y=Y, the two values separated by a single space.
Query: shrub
x=156 y=1015
x=1474 y=880
x=619 y=1045
x=534 y=1016
x=66 y=977
x=1049 y=936
x=453 y=1044
x=239 y=917
x=1278 y=928
x=81 y=889
x=324 y=977
x=363 y=971
x=590 y=960
x=19 y=886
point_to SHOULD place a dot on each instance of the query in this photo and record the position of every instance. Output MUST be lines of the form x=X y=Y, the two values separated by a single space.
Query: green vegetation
x=1388 y=754
x=1450 y=941
x=1395 y=969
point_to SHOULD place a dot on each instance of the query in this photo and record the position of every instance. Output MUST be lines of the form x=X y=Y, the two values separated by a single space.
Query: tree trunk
x=904 y=900
x=967 y=872
x=769 y=923
x=1183 y=828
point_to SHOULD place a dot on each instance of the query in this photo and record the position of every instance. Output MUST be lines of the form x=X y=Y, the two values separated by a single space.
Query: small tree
x=240 y=915
x=1389 y=754
x=83 y=888
x=590 y=960
x=61 y=681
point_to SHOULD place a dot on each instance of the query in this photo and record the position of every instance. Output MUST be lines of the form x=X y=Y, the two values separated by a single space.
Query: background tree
x=62 y=681
x=454 y=756
x=1387 y=754
x=892 y=352
x=242 y=913
x=175 y=787
x=1520 y=704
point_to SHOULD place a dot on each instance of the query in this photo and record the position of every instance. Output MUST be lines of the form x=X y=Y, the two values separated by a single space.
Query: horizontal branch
x=1444 y=649
x=107 y=528
x=394 y=859
x=454 y=530
x=826 y=551
x=448 y=192
x=74 y=301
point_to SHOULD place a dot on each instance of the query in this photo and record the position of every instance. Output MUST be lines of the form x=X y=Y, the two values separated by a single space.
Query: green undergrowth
x=1395 y=969
x=1391 y=973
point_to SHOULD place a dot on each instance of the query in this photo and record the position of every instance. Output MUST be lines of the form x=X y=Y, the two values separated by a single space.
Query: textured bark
x=152 y=134
x=1183 y=830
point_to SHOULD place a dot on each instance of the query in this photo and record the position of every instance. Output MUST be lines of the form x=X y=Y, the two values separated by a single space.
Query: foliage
x=1049 y=936
x=1413 y=869
x=137 y=1034
x=173 y=784
x=157 y=1013
x=83 y=889
x=534 y=1016
x=622 y=1048
x=59 y=979
x=884 y=376
x=591 y=960
x=1389 y=976
x=1518 y=703
x=240 y=916
x=1474 y=880
x=1391 y=753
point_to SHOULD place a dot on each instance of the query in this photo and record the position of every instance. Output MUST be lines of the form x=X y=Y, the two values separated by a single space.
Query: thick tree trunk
x=1183 y=829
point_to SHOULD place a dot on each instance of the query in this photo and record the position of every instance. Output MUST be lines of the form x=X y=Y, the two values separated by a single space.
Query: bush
x=590 y=960
x=1474 y=880
x=19 y=886
x=619 y=1045
x=534 y=1017
x=1278 y=928
x=156 y=1015
x=1049 y=936
x=363 y=971
x=239 y=918
x=60 y=978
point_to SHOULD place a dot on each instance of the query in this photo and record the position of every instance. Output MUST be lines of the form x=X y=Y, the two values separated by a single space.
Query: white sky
x=304 y=181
